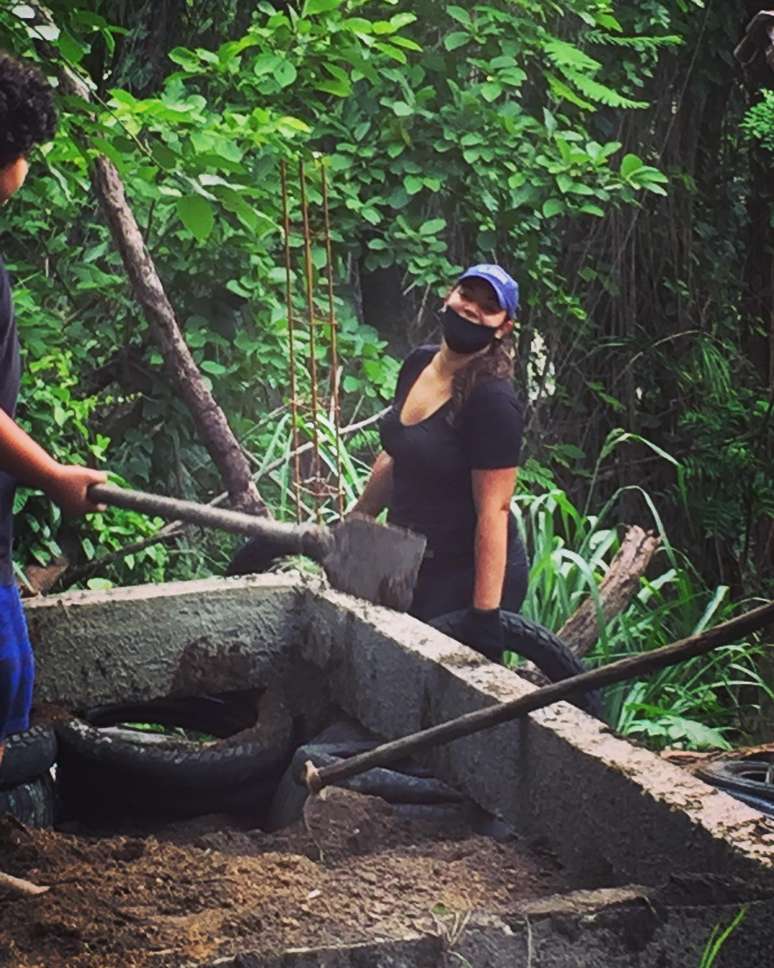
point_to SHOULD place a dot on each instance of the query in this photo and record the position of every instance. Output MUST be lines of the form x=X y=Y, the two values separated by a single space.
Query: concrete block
x=613 y=812
x=184 y=638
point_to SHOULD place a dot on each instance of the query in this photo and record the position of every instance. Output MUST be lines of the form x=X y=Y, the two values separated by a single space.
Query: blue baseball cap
x=506 y=288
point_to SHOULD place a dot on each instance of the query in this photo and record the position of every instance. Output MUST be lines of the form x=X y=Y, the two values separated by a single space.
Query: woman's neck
x=447 y=363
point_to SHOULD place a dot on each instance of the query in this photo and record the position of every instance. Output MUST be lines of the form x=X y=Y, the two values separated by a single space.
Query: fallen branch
x=620 y=584
x=17 y=885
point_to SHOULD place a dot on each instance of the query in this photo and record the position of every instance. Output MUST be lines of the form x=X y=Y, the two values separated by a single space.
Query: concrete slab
x=614 y=813
x=184 y=638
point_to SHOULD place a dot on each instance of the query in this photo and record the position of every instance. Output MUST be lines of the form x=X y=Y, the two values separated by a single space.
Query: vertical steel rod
x=334 y=347
x=291 y=344
x=308 y=266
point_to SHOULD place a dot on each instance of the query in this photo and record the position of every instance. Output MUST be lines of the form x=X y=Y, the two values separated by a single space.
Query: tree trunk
x=209 y=419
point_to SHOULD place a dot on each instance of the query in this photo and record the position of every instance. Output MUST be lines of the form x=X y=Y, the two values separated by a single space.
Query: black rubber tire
x=27 y=755
x=100 y=774
x=217 y=715
x=547 y=651
x=32 y=803
x=744 y=779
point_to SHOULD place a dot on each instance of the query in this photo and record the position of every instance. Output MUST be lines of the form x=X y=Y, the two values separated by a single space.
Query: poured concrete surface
x=613 y=813
x=182 y=638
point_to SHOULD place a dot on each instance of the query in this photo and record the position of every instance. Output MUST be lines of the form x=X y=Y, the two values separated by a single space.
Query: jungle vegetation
x=611 y=154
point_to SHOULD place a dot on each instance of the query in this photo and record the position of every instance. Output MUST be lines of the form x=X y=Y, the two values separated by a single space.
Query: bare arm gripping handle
x=308 y=540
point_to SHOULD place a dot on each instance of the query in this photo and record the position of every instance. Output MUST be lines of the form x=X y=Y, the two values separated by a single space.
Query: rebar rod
x=334 y=342
x=309 y=274
x=296 y=472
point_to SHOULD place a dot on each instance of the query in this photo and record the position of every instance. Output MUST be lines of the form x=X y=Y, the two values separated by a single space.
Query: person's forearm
x=377 y=493
x=22 y=458
x=491 y=551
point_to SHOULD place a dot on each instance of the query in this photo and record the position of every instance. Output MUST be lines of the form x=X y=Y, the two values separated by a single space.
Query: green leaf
x=413 y=184
x=312 y=7
x=285 y=74
x=600 y=93
x=551 y=207
x=630 y=164
x=210 y=366
x=402 y=109
x=432 y=226
x=265 y=64
x=491 y=91
x=456 y=39
x=460 y=14
x=336 y=87
x=568 y=55
x=70 y=48
x=197 y=214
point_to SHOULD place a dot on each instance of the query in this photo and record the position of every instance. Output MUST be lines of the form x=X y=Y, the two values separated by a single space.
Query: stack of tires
x=26 y=784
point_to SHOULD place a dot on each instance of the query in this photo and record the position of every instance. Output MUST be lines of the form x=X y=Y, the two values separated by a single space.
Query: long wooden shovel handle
x=629 y=668
x=294 y=539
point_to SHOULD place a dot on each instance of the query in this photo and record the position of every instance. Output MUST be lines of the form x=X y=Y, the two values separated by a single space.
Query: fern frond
x=564 y=55
x=600 y=93
x=564 y=93
x=639 y=44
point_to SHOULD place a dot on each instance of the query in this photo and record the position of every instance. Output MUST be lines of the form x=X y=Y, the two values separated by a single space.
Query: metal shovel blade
x=378 y=562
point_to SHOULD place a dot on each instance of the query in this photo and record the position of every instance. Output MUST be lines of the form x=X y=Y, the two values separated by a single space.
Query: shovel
x=360 y=557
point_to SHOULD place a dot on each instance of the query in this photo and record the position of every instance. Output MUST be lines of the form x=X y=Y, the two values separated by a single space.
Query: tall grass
x=707 y=702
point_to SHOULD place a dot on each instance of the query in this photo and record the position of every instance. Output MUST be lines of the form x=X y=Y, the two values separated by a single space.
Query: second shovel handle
x=293 y=539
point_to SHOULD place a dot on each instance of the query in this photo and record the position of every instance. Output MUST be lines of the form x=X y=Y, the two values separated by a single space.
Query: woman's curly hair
x=27 y=113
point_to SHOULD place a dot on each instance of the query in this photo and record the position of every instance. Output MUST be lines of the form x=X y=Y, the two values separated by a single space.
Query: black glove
x=481 y=629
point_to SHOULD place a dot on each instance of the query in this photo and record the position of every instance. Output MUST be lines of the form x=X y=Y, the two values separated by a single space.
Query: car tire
x=542 y=647
x=28 y=755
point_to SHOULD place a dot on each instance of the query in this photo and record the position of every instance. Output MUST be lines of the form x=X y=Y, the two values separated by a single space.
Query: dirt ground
x=198 y=890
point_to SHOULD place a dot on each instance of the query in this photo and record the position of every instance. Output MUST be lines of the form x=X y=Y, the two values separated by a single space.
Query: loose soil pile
x=355 y=871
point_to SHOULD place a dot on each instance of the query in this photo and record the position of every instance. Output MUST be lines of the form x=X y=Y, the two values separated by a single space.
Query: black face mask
x=462 y=336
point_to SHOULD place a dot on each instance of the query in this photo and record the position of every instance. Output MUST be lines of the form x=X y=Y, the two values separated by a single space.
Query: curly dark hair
x=27 y=113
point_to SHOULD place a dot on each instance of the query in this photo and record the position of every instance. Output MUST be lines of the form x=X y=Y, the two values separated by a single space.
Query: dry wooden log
x=620 y=584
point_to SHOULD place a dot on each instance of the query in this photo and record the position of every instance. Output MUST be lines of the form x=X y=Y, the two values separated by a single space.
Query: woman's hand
x=479 y=629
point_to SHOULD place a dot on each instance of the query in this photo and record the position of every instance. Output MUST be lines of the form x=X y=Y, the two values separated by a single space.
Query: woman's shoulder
x=491 y=391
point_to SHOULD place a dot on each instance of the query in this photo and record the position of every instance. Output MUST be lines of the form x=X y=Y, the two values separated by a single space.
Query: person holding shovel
x=27 y=118
x=448 y=469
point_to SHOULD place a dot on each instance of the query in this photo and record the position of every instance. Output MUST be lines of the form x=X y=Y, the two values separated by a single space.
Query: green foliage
x=758 y=123
x=431 y=129
x=719 y=937
x=704 y=703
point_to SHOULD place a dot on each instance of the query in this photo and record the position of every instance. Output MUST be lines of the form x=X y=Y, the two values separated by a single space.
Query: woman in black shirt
x=448 y=468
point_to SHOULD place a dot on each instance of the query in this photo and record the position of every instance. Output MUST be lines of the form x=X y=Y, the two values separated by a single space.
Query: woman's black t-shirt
x=432 y=486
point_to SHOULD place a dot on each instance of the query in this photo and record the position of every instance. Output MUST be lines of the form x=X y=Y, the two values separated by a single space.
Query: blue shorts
x=17 y=664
